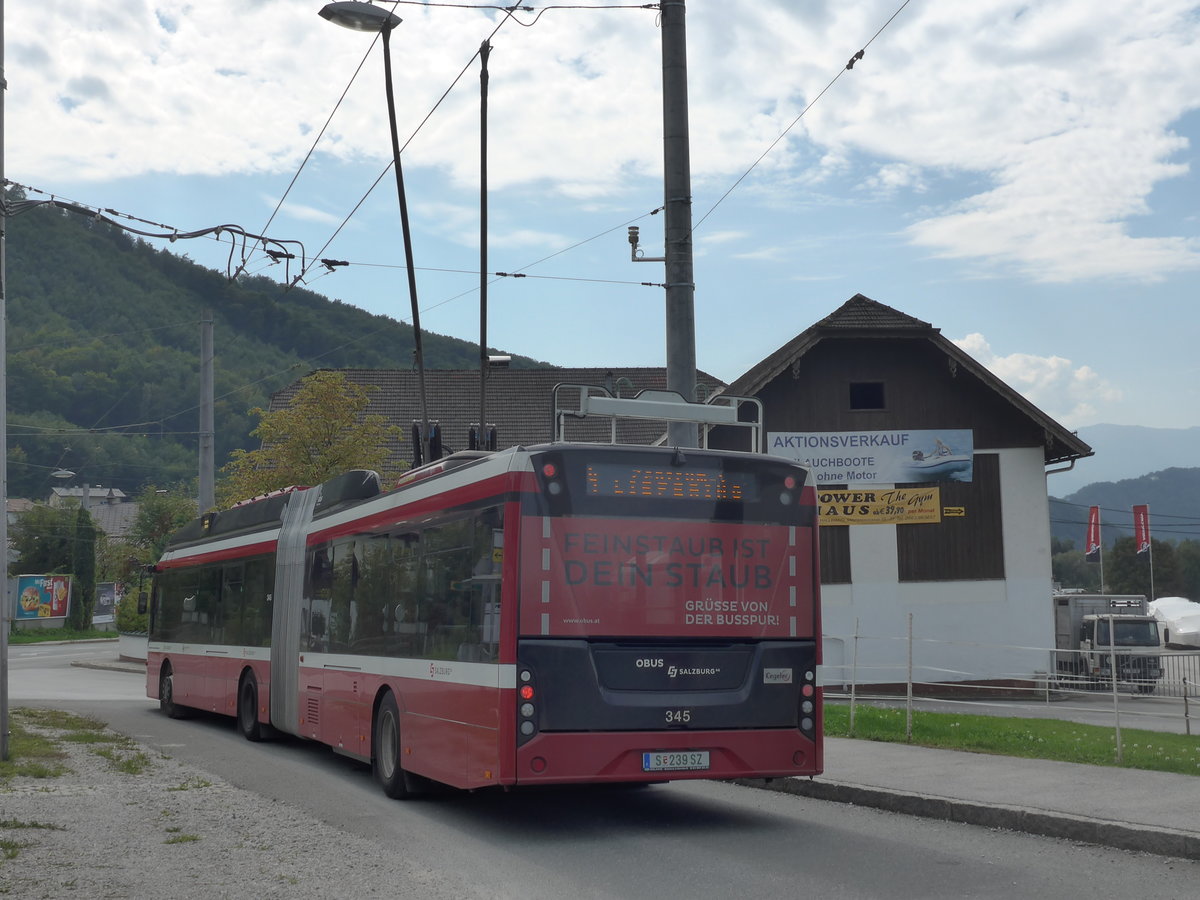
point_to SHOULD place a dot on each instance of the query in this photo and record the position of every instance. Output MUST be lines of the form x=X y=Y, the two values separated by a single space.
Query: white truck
x=1085 y=648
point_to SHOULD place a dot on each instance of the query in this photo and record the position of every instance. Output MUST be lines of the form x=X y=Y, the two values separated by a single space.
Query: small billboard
x=105 y=608
x=43 y=597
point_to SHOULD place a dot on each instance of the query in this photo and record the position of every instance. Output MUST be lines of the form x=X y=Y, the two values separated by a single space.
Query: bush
x=129 y=620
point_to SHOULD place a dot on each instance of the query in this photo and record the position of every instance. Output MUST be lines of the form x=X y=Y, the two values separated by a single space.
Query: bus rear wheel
x=247 y=709
x=385 y=752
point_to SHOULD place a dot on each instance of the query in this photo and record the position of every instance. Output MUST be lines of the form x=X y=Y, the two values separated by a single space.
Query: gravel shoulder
x=134 y=823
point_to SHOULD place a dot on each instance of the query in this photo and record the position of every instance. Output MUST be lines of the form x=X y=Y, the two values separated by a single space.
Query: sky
x=1022 y=175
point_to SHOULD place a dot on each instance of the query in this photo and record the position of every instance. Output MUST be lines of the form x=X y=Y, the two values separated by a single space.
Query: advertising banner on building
x=1141 y=529
x=878 y=457
x=43 y=596
x=105 y=609
x=1091 y=552
x=891 y=506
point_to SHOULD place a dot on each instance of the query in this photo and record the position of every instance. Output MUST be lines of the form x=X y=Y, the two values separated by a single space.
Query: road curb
x=1120 y=835
x=131 y=668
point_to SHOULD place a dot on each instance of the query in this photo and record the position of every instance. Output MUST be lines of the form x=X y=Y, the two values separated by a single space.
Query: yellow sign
x=954 y=511
x=885 y=506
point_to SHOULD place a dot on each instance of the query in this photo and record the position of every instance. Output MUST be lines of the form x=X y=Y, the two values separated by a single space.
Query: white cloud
x=1063 y=110
x=1067 y=392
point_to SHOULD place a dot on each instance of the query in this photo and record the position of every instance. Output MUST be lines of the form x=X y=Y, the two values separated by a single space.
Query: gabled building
x=871 y=396
x=931 y=474
x=519 y=402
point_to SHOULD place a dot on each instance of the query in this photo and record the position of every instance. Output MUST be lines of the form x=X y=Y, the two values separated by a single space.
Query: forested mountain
x=104 y=349
x=1173 y=496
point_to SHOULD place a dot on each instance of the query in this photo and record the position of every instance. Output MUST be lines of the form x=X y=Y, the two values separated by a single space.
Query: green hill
x=104 y=348
x=1173 y=496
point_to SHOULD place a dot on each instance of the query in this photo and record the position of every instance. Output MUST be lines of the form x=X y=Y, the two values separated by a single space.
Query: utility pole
x=5 y=600
x=207 y=464
x=677 y=208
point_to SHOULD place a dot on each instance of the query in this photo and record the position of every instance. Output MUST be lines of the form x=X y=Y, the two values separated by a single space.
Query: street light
x=359 y=16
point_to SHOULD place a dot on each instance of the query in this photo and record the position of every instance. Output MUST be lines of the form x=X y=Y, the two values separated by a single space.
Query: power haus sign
x=885 y=506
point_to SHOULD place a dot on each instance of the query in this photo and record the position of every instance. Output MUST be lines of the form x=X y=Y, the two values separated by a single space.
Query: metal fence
x=1044 y=681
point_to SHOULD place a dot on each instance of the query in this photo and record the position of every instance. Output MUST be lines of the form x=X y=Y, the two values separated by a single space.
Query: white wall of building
x=964 y=630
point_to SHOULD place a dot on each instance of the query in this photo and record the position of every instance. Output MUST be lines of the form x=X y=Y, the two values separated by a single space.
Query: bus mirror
x=142 y=603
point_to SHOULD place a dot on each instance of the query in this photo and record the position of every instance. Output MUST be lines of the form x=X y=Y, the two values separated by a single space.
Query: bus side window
x=317 y=596
x=256 y=610
x=406 y=629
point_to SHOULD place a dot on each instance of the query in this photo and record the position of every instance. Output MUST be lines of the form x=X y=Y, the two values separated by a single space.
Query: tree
x=1187 y=555
x=1128 y=573
x=322 y=433
x=160 y=514
x=83 y=564
x=42 y=539
x=1071 y=570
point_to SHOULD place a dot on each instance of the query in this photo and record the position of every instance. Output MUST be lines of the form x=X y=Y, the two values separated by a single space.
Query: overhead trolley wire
x=848 y=67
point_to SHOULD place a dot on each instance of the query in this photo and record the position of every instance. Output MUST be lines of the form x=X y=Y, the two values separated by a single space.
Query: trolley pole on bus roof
x=677 y=212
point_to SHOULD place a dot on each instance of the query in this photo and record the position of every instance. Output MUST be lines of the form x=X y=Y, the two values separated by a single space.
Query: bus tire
x=386 y=752
x=247 y=709
x=166 y=695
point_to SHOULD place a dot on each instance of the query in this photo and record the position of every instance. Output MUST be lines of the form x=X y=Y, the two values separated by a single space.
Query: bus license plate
x=675 y=761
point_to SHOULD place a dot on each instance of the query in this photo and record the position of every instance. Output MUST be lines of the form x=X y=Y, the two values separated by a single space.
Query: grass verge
x=1029 y=738
x=41 y=635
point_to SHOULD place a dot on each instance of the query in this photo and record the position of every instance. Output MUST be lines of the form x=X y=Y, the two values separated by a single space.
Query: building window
x=866 y=395
x=835 y=554
x=964 y=547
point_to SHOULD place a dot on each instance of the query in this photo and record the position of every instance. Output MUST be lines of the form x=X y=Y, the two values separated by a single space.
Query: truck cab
x=1091 y=630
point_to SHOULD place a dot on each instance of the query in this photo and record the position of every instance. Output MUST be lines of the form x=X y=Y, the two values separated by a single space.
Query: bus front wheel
x=385 y=751
x=166 y=695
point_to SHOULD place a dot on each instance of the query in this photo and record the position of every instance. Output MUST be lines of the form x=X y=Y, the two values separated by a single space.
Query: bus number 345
x=677 y=716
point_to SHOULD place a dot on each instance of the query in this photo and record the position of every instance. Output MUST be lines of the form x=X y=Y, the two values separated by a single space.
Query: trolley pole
x=677 y=209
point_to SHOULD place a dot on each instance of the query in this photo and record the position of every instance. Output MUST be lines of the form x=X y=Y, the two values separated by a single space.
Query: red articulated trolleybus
x=563 y=613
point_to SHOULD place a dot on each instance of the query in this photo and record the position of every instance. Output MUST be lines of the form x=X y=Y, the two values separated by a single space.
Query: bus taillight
x=526 y=710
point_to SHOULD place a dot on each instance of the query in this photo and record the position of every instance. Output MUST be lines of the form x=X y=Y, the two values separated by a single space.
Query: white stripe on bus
x=233 y=543
x=258 y=654
x=447 y=671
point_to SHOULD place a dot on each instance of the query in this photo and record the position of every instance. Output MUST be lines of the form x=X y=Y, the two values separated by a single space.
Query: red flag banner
x=1141 y=528
x=1092 y=551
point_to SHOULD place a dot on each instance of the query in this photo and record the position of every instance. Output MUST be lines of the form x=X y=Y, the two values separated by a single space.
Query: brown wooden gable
x=927 y=382
x=518 y=402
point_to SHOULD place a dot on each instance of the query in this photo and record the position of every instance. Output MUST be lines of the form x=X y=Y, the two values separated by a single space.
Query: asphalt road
x=683 y=840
